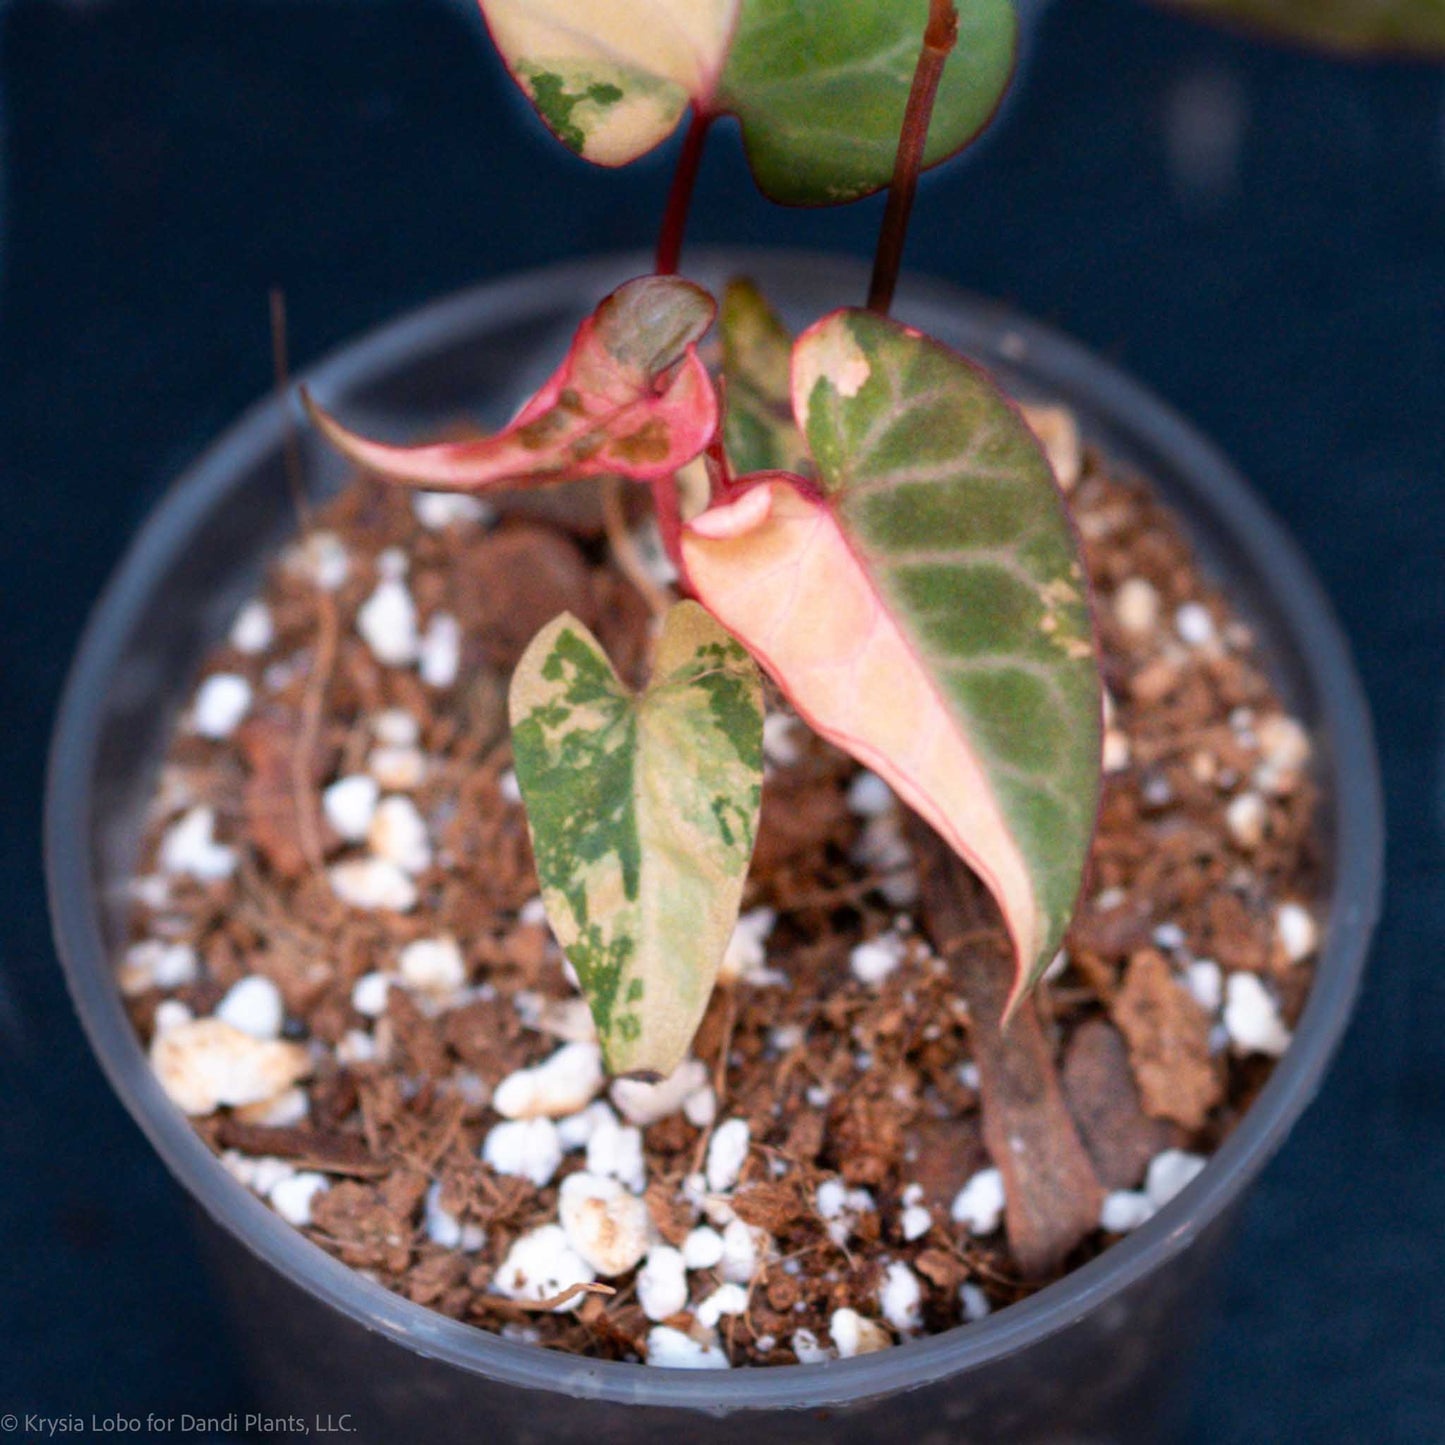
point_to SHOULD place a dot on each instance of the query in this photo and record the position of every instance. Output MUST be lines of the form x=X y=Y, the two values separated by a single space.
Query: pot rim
x=1309 y=627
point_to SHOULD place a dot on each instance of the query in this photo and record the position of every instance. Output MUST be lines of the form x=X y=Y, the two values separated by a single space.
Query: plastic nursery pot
x=1095 y=1356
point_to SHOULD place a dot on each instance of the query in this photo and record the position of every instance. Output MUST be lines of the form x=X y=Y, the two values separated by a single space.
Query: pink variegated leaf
x=632 y=399
x=923 y=606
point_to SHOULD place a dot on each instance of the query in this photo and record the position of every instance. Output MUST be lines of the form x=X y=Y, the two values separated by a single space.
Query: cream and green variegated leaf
x=820 y=87
x=612 y=78
x=643 y=809
x=759 y=433
x=632 y=398
x=923 y=606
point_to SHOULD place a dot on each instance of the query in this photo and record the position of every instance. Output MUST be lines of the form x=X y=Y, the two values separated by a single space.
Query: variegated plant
x=883 y=535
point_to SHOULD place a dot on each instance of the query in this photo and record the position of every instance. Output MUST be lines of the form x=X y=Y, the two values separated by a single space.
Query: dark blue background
x=165 y=161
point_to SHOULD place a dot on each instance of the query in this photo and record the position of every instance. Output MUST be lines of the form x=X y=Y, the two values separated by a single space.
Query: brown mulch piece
x=1104 y=1100
x=331 y=1151
x=1168 y=1035
x=838 y=1080
x=1052 y=1193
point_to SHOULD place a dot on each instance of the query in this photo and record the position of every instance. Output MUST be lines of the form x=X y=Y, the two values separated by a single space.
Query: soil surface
x=339 y=956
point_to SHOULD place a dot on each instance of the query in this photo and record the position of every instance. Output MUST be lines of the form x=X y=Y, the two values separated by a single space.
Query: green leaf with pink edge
x=632 y=399
x=820 y=87
x=923 y=606
x=1352 y=27
x=642 y=809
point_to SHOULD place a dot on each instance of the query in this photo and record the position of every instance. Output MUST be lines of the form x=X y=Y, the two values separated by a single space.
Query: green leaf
x=611 y=78
x=923 y=606
x=820 y=87
x=643 y=810
x=1398 y=27
x=759 y=433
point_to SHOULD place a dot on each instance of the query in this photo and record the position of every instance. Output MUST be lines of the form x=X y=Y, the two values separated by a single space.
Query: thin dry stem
x=308 y=807
x=625 y=551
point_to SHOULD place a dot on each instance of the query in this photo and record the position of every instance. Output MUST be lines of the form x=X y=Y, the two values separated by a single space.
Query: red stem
x=679 y=198
x=939 y=38
x=667 y=507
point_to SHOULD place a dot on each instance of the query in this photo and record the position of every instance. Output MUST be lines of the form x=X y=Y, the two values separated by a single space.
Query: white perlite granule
x=441 y=651
x=973 y=1301
x=292 y=1198
x=433 y=966
x=1251 y=1017
x=253 y=631
x=254 y=1006
x=1294 y=927
x=1125 y=1209
x=528 y=1148
x=156 y=964
x=563 y=1083
x=727 y=1152
x=190 y=846
x=670 y=1349
x=874 y=961
x=606 y=1225
x=541 y=1265
x=222 y=700
x=398 y=834
x=437 y=511
x=372 y=883
x=387 y=624
x=901 y=1298
x=206 y=1063
x=980 y=1203
x=444 y=1228
x=368 y=994
x=1171 y=1171
x=703 y=1248
x=350 y=804
x=662 y=1283
x=806 y=1347
x=645 y=1104
x=855 y=1334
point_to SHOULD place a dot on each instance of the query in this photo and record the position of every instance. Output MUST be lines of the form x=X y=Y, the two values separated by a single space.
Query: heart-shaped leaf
x=643 y=810
x=611 y=78
x=1395 y=27
x=632 y=398
x=820 y=89
x=923 y=606
x=759 y=433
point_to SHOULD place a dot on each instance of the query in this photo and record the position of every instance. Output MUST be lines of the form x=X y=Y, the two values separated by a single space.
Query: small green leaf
x=643 y=810
x=759 y=433
x=820 y=88
x=923 y=605
x=1396 y=27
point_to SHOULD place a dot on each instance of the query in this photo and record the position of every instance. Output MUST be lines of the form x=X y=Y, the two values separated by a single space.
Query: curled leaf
x=611 y=78
x=643 y=809
x=632 y=398
x=923 y=606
